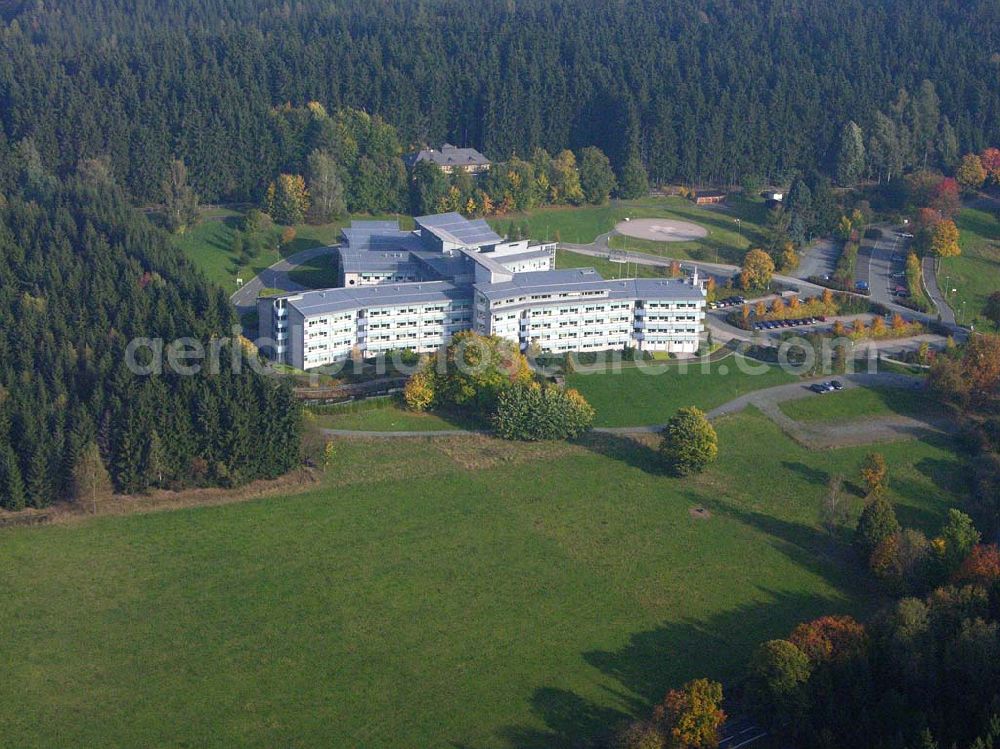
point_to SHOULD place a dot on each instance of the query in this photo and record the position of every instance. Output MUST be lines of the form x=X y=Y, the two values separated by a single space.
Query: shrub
x=533 y=412
x=875 y=472
x=689 y=442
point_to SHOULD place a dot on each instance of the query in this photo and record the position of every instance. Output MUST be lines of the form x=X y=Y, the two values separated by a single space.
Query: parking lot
x=881 y=268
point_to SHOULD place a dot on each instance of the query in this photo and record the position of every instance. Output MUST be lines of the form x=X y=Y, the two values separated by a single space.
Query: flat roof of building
x=380 y=239
x=325 y=301
x=366 y=261
x=587 y=279
x=531 y=254
x=457 y=229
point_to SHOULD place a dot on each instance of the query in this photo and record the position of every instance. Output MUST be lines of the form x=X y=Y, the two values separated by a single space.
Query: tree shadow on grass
x=630 y=450
x=656 y=660
x=921 y=518
x=949 y=476
x=810 y=474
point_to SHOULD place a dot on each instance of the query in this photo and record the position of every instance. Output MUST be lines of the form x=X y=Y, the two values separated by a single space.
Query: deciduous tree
x=689 y=442
x=971 y=174
x=326 y=190
x=597 y=178
x=288 y=199
x=758 y=268
x=180 y=203
x=692 y=716
x=944 y=240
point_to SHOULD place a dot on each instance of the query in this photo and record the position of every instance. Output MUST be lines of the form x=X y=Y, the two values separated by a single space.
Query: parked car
x=861 y=286
x=818 y=387
x=836 y=384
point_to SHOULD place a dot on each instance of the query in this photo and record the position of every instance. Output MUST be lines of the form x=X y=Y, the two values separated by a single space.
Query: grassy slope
x=724 y=242
x=860 y=403
x=392 y=417
x=976 y=273
x=634 y=397
x=209 y=243
x=434 y=594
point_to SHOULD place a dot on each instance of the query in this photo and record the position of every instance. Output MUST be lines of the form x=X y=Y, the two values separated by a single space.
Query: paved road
x=934 y=291
x=819 y=259
x=878 y=260
x=276 y=277
x=722 y=269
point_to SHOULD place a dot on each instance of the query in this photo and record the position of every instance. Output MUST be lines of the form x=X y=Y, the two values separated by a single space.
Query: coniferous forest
x=81 y=275
x=702 y=91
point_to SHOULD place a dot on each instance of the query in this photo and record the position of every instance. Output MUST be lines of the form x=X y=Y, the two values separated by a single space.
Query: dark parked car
x=836 y=384
x=818 y=387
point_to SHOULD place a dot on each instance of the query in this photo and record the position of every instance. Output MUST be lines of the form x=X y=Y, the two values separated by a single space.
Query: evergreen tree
x=11 y=484
x=851 y=156
x=633 y=183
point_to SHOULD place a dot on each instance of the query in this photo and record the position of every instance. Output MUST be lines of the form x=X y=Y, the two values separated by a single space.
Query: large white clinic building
x=415 y=290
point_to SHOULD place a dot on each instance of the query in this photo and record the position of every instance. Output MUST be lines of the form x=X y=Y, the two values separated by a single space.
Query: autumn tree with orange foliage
x=690 y=717
x=981 y=567
x=829 y=638
x=990 y=159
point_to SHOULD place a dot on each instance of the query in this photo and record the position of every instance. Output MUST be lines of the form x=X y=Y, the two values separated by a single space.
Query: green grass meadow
x=209 y=246
x=858 y=404
x=462 y=592
x=975 y=274
x=726 y=241
x=652 y=393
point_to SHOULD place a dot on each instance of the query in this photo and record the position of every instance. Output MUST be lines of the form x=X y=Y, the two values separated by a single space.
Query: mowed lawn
x=975 y=274
x=652 y=393
x=862 y=403
x=209 y=246
x=462 y=592
x=726 y=241
x=392 y=416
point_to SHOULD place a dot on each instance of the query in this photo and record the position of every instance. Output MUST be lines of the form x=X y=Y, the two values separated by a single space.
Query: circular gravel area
x=661 y=229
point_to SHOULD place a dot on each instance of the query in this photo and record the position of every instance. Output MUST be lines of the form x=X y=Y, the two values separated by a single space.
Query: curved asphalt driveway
x=276 y=277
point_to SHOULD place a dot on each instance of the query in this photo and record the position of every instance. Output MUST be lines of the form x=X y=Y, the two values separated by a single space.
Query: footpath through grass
x=458 y=592
x=652 y=393
x=975 y=274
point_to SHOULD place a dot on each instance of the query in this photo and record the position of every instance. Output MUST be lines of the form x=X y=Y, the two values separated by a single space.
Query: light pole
x=739 y=228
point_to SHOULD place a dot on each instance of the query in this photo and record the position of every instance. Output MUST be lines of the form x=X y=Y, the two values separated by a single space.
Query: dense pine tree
x=701 y=92
x=81 y=275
